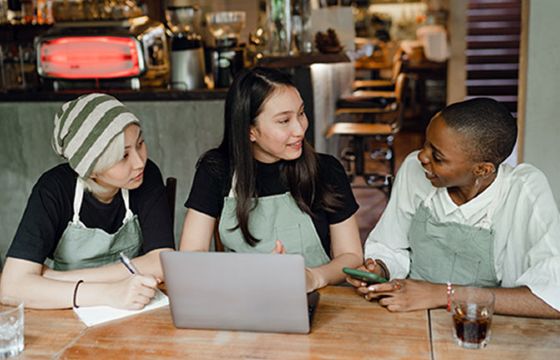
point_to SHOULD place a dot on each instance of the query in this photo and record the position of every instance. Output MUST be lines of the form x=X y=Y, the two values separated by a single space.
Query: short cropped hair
x=487 y=124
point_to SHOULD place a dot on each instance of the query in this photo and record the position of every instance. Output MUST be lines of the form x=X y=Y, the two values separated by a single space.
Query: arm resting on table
x=519 y=301
x=346 y=250
x=23 y=279
x=147 y=264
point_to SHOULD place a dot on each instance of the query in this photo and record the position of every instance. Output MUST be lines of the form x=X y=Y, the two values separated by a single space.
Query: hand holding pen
x=134 y=292
x=128 y=264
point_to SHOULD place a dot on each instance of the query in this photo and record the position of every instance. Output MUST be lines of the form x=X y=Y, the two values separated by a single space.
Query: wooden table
x=512 y=338
x=345 y=327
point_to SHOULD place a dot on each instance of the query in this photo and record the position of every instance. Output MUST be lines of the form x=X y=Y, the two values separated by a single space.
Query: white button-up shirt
x=524 y=218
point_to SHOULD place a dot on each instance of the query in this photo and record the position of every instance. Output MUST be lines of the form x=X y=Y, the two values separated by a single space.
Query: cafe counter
x=146 y=94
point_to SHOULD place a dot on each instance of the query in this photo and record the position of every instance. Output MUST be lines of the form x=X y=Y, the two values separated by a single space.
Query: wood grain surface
x=345 y=327
x=511 y=338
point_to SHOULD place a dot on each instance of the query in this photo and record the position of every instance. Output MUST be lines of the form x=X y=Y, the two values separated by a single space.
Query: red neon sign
x=90 y=57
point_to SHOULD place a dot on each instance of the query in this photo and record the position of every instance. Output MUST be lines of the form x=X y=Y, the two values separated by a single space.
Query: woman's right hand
x=132 y=293
x=279 y=248
x=369 y=265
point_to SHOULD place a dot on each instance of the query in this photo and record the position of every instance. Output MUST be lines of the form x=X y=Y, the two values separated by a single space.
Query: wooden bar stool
x=383 y=84
x=381 y=119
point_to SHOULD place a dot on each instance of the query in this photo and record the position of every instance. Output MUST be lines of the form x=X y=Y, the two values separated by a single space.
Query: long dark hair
x=244 y=102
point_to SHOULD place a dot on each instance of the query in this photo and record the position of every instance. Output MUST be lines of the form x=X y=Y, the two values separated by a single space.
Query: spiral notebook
x=95 y=315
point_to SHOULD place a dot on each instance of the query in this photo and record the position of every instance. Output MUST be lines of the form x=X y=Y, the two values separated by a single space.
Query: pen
x=128 y=264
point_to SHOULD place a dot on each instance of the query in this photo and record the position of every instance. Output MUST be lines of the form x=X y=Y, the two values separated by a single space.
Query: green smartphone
x=365 y=276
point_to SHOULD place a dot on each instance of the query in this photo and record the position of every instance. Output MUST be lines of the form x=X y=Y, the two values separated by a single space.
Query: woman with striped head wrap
x=107 y=199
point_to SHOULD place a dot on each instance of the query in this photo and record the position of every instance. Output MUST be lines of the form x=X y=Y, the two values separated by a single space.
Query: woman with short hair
x=459 y=215
x=107 y=199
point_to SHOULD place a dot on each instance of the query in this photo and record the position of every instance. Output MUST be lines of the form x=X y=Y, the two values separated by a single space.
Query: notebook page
x=94 y=315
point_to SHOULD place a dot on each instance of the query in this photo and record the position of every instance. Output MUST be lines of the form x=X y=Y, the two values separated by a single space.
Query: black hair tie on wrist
x=76 y=293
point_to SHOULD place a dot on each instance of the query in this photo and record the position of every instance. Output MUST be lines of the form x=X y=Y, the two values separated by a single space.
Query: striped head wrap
x=85 y=126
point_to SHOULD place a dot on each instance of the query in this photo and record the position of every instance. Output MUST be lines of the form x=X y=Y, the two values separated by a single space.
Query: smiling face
x=279 y=129
x=128 y=173
x=444 y=158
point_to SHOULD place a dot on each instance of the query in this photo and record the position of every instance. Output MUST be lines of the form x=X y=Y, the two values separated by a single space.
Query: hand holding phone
x=365 y=276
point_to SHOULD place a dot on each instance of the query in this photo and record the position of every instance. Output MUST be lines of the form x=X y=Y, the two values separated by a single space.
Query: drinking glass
x=11 y=328
x=472 y=310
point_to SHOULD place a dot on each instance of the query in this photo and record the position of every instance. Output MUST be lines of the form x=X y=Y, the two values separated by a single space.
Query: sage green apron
x=451 y=252
x=81 y=247
x=275 y=217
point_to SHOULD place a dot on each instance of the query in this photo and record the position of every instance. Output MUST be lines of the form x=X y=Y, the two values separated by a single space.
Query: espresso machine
x=227 y=56
x=187 y=54
x=128 y=53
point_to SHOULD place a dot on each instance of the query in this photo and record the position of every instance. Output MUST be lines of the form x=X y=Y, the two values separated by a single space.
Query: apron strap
x=79 y=196
x=128 y=215
x=429 y=197
x=231 y=189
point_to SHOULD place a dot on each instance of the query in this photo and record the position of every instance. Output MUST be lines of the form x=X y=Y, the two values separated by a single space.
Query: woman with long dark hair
x=267 y=187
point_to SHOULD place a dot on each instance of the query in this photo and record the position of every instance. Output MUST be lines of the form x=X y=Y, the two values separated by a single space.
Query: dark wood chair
x=171 y=194
x=391 y=109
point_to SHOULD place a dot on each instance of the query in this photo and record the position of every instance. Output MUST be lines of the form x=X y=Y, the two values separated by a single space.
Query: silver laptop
x=233 y=291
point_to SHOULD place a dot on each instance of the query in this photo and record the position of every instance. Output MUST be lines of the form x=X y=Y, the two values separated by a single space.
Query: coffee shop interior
x=371 y=73
x=181 y=56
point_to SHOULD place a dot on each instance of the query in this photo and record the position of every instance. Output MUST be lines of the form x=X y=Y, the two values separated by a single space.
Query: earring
x=477 y=182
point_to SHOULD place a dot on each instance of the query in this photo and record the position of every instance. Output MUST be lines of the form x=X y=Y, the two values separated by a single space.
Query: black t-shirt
x=50 y=209
x=211 y=184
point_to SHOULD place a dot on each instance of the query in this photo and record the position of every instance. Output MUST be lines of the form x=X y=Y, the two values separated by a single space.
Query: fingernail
x=372 y=288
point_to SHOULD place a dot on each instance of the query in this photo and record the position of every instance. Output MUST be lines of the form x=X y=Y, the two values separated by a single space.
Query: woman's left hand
x=407 y=295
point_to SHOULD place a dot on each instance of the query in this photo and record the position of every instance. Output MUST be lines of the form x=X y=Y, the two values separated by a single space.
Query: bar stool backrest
x=400 y=93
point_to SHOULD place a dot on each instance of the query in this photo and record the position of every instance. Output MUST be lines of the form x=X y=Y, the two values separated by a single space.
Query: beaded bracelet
x=76 y=293
x=449 y=292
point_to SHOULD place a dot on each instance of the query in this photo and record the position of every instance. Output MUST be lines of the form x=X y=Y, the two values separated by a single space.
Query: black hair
x=488 y=125
x=244 y=102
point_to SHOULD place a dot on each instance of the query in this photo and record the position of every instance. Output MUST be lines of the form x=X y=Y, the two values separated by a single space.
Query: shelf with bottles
x=18 y=56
